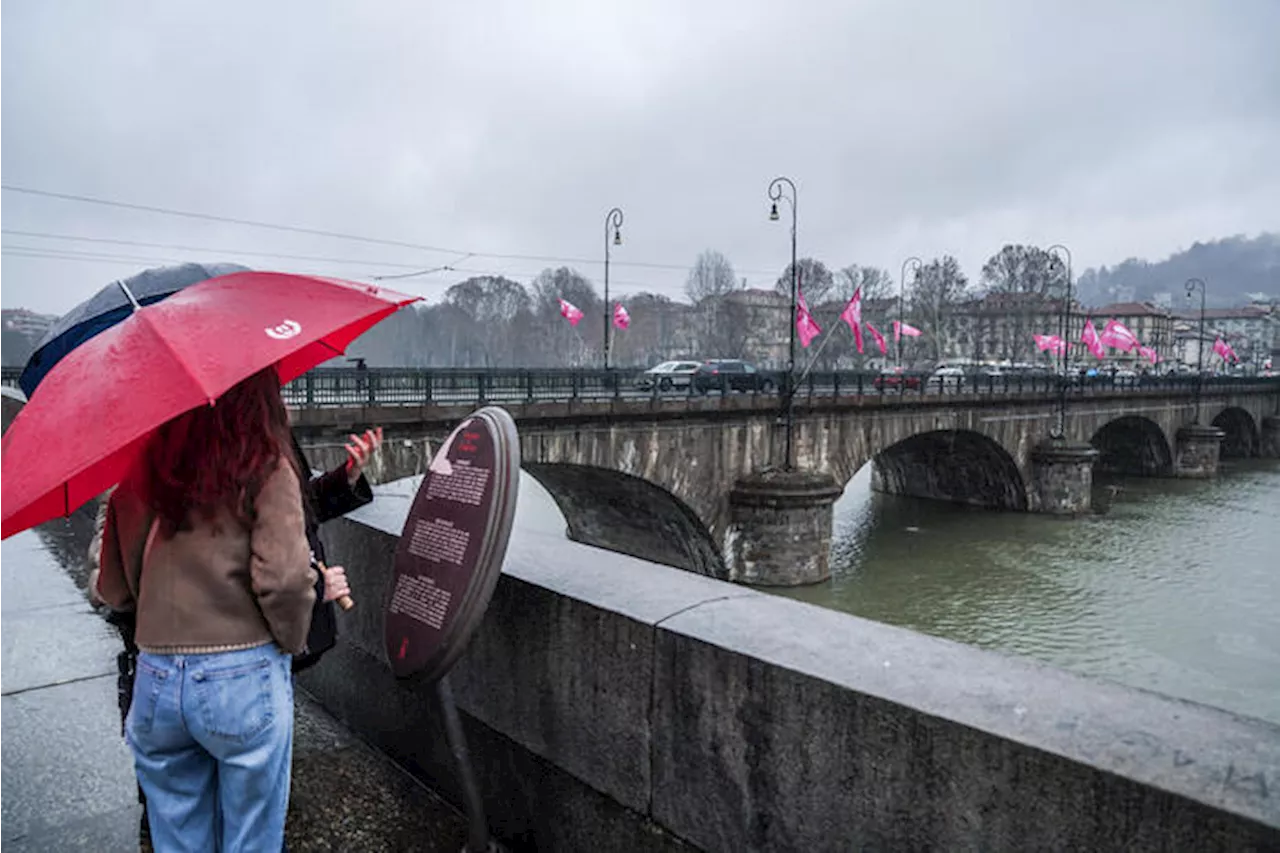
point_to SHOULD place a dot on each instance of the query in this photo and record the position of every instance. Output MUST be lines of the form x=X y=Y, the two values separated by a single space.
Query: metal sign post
x=447 y=565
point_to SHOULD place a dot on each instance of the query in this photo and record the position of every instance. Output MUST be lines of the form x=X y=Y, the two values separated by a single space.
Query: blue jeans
x=212 y=740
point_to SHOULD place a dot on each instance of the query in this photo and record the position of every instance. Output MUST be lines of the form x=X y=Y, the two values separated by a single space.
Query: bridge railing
x=468 y=386
x=445 y=386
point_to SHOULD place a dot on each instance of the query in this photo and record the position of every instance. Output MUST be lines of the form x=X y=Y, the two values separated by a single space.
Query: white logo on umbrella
x=284 y=331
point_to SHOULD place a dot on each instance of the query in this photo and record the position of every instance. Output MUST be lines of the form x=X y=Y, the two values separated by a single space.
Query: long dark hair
x=218 y=457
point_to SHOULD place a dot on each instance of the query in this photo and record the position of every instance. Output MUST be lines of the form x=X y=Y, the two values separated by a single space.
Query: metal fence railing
x=386 y=386
x=332 y=387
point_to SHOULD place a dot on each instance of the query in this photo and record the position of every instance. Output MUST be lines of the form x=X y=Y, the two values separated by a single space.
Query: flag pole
x=816 y=354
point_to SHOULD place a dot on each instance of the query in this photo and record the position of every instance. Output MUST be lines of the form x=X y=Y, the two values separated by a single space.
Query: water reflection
x=1172 y=589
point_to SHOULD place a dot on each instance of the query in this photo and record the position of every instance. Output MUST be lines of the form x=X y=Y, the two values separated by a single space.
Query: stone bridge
x=695 y=484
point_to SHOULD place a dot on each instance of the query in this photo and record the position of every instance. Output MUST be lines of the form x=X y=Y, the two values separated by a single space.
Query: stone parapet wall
x=613 y=704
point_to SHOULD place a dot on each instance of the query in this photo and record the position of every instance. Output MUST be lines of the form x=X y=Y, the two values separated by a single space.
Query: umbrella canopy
x=100 y=404
x=107 y=307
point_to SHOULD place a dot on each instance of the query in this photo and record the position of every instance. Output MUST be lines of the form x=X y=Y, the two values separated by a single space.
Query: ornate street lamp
x=1192 y=285
x=1064 y=332
x=902 y=286
x=612 y=223
x=777 y=192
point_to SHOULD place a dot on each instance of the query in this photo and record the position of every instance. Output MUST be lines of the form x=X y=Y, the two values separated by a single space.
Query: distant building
x=31 y=324
x=1000 y=327
x=1151 y=324
x=1252 y=330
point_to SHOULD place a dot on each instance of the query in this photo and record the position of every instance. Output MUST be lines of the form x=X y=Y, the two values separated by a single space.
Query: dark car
x=730 y=374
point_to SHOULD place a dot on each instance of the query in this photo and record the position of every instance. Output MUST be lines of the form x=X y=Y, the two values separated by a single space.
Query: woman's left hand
x=360 y=449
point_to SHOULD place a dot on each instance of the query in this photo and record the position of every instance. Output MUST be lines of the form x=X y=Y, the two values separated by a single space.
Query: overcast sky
x=912 y=127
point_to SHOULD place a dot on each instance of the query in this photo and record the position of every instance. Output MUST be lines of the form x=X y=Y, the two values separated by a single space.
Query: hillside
x=1235 y=269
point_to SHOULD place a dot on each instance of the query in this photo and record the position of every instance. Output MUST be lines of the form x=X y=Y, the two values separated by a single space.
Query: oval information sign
x=453 y=544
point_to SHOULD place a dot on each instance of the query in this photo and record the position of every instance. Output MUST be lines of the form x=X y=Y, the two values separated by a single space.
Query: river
x=1175 y=588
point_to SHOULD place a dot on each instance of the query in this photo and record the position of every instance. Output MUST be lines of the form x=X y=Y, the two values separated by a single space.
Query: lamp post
x=1192 y=285
x=1064 y=332
x=777 y=192
x=902 y=286
x=612 y=222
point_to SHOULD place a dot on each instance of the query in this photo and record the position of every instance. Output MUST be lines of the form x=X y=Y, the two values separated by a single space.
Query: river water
x=1174 y=588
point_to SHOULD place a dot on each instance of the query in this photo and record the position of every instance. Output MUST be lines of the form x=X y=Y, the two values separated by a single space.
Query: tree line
x=493 y=321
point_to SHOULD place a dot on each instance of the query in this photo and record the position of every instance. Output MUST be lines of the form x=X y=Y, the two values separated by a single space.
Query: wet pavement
x=67 y=776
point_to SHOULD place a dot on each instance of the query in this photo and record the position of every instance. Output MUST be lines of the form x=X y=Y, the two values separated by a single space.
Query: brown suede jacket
x=216 y=587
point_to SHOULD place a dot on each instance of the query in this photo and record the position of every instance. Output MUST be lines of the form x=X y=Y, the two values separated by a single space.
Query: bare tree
x=1019 y=269
x=938 y=287
x=491 y=305
x=815 y=282
x=559 y=343
x=712 y=275
x=1020 y=281
x=875 y=283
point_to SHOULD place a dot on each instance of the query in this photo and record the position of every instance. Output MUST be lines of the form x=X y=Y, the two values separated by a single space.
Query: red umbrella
x=96 y=409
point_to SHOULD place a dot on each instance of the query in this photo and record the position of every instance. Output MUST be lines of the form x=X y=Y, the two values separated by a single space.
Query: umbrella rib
x=144 y=313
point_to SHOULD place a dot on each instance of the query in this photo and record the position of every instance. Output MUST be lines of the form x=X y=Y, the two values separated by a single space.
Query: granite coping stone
x=1188 y=749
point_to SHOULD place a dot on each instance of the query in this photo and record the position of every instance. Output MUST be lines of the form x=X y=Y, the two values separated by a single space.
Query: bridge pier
x=1271 y=437
x=1198 y=448
x=780 y=528
x=1062 y=474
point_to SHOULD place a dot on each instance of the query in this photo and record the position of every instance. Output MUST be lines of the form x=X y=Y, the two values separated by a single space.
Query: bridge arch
x=1133 y=445
x=620 y=512
x=1241 y=439
x=960 y=466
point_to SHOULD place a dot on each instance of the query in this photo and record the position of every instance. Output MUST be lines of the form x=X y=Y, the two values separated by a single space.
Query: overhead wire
x=211 y=249
x=167 y=211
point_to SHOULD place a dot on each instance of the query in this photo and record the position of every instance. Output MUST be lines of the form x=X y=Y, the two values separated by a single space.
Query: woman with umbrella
x=206 y=542
x=205 y=534
x=327 y=496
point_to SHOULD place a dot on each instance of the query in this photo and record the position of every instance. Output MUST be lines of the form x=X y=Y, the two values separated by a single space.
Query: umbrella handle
x=345 y=601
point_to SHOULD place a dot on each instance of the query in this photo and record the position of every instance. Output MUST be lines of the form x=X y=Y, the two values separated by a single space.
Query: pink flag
x=621 y=318
x=1052 y=343
x=877 y=337
x=1149 y=354
x=570 y=312
x=852 y=314
x=1090 y=338
x=900 y=329
x=1115 y=334
x=1224 y=349
x=806 y=327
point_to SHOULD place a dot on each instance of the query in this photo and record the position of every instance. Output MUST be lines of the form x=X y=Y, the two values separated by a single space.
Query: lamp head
x=773 y=212
x=617 y=236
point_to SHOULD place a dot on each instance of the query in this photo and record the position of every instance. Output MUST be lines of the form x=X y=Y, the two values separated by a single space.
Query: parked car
x=668 y=375
x=895 y=378
x=730 y=374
